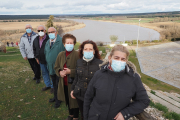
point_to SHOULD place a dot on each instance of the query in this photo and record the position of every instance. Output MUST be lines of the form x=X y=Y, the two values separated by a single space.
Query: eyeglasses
x=52 y=32
x=28 y=28
x=41 y=30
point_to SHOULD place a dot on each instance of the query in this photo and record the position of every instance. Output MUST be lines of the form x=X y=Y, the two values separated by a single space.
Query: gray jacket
x=26 y=49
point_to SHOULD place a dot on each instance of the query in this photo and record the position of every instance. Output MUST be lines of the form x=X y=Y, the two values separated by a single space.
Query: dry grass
x=21 y=25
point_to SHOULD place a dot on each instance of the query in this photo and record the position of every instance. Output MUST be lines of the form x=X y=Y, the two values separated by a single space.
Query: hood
x=25 y=34
x=129 y=67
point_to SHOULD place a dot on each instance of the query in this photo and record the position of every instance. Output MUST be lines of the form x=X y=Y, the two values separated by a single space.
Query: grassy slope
x=16 y=84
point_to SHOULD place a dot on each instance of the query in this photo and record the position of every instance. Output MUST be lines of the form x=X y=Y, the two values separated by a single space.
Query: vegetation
x=166 y=114
x=113 y=38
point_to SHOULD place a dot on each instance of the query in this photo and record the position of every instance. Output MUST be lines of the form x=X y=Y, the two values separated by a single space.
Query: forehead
x=119 y=54
x=40 y=28
x=88 y=46
x=69 y=40
x=27 y=26
x=51 y=29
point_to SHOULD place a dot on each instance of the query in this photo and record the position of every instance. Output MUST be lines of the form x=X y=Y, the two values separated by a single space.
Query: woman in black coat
x=85 y=69
x=111 y=89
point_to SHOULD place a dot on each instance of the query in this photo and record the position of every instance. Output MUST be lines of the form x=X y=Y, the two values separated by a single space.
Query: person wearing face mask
x=65 y=67
x=52 y=48
x=86 y=66
x=26 y=49
x=109 y=93
x=38 y=48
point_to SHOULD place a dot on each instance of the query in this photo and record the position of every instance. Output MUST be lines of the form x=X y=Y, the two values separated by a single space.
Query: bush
x=99 y=43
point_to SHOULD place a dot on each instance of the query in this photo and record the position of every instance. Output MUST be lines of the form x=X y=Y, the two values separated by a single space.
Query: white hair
x=52 y=27
x=41 y=26
x=28 y=25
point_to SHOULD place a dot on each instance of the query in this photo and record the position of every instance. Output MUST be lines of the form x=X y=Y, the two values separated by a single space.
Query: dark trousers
x=74 y=111
x=55 y=80
x=80 y=104
x=35 y=67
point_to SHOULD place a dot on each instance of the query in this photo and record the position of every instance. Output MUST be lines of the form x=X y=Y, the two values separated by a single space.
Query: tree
x=50 y=22
x=113 y=38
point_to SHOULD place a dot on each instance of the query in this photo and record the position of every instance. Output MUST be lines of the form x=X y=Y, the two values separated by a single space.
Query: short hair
x=51 y=27
x=27 y=25
x=68 y=36
x=41 y=26
x=120 y=48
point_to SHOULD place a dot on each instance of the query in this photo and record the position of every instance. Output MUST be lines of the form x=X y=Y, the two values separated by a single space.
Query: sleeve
x=34 y=49
x=57 y=65
x=140 y=100
x=75 y=80
x=88 y=98
x=22 y=48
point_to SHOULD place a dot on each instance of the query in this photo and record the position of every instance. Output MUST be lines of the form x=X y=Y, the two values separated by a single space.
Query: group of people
x=12 y=44
x=100 y=90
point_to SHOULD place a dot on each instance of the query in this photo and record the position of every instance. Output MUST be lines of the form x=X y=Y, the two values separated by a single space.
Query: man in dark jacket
x=53 y=47
x=38 y=48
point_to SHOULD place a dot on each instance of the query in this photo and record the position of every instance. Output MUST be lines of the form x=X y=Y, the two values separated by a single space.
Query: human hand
x=62 y=73
x=25 y=58
x=37 y=61
x=72 y=95
x=68 y=71
x=119 y=116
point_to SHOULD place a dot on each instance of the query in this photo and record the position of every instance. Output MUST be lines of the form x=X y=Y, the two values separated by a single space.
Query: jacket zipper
x=111 y=99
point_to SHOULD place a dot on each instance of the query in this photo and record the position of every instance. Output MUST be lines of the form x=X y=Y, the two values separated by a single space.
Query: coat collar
x=56 y=42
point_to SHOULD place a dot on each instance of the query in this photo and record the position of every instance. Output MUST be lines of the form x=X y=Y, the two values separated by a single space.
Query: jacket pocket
x=77 y=91
x=80 y=72
x=93 y=114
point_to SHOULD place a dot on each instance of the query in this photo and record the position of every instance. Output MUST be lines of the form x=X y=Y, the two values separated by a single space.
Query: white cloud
x=86 y=6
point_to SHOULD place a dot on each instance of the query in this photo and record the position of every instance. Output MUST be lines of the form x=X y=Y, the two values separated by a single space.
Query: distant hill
x=131 y=15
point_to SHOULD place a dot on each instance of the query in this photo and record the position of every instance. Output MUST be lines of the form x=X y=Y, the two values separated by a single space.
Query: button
x=128 y=114
x=97 y=115
x=91 y=72
x=125 y=116
x=86 y=78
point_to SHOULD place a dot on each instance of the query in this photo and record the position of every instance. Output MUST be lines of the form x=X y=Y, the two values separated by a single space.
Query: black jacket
x=111 y=92
x=84 y=73
x=39 y=52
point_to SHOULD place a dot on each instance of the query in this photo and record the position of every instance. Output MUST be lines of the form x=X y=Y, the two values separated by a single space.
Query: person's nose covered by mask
x=88 y=55
x=41 y=33
x=28 y=30
x=52 y=36
x=69 y=47
x=118 y=66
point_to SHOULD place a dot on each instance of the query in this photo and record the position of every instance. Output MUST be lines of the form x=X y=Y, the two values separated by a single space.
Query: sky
x=39 y=7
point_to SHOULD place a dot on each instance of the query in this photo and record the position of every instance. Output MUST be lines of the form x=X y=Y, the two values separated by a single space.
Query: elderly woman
x=111 y=89
x=86 y=67
x=65 y=68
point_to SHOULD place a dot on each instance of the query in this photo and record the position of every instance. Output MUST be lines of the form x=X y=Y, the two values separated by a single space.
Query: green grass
x=166 y=114
x=153 y=92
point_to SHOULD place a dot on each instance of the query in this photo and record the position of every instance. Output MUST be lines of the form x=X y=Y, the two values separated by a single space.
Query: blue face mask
x=52 y=36
x=69 y=47
x=118 y=66
x=28 y=30
x=88 y=55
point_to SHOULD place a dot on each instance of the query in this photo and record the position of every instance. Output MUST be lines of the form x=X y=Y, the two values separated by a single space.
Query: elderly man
x=38 y=48
x=53 y=47
x=26 y=49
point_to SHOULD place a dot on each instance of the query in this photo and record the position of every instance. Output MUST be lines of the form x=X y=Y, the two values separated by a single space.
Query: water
x=101 y=31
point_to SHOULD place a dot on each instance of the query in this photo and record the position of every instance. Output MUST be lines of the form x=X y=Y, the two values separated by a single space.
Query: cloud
x=87 y=6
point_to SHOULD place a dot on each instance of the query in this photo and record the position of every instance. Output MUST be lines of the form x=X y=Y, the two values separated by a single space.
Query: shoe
x=37 y=81
x=52 y=100
x=69 y=118
x=57 y=104
x=45 y=88
x=52 y=90
x=34 y=78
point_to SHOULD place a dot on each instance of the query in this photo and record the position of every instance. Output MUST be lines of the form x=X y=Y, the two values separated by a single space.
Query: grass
x=149 y=81
x=166 y=114
x=21 y=96
x=153 y=92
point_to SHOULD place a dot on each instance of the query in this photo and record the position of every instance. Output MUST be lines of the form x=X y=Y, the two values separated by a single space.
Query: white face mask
x=41 y=33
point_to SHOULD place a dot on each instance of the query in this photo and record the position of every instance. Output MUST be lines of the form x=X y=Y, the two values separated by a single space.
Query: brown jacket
x=70 y=61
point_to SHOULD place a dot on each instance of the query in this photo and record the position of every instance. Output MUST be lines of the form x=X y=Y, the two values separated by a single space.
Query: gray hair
x=52 y=27
x=41 y=26
x=27 y=25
